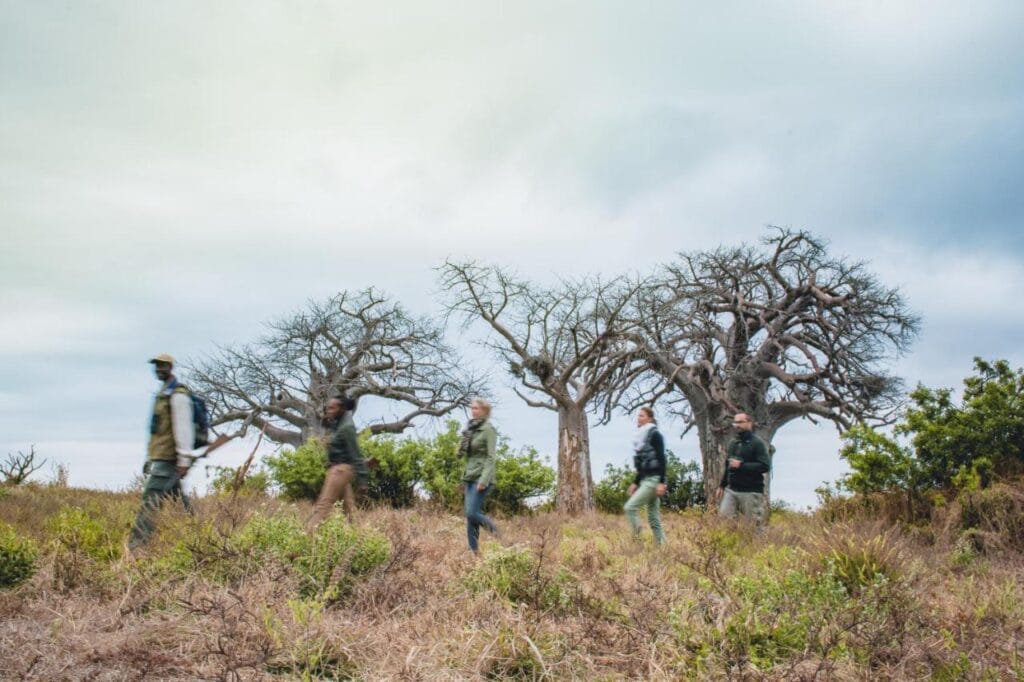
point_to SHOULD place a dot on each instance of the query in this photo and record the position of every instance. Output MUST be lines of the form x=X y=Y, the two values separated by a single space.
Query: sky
x=174 y=175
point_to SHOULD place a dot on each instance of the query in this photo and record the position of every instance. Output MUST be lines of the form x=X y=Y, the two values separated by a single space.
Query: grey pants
x=748 y=505
x=163 y=482
x=646 y=497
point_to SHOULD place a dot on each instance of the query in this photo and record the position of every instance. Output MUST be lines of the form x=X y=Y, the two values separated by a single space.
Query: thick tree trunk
x=713 y=441
x=575 y=481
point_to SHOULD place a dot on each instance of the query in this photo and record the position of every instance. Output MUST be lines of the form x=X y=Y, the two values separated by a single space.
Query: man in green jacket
x=345 y=463
x=170 y=451
x=747 y=464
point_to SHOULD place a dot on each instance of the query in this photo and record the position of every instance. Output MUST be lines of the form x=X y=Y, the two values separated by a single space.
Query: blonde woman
x=478 y=442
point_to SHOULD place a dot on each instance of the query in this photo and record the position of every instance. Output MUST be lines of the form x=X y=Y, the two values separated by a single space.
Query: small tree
x=19 y=467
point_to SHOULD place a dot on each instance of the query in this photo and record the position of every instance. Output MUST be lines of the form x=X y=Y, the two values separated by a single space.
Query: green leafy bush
x=515 y=574
x=255 y=483
x=86 y=532
x=399 y=468
x=328 y=562
x=17 y=557
x=299 y=473
x=685 y=486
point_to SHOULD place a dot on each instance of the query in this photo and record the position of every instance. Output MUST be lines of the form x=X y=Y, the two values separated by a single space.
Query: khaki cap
x=163 y=357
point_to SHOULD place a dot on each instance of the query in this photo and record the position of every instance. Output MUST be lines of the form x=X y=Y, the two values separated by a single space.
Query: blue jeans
x=475 y=513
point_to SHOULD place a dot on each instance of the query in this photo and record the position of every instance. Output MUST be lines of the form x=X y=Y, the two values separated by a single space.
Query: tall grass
x=239 y=592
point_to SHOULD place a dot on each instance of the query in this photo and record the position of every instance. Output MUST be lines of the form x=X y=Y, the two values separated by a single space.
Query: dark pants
x=163 y=482
x=475 y=514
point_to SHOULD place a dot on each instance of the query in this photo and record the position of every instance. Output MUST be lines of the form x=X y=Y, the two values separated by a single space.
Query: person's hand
x=718 y=495
x=462 y=487
x=182 y=471
x=661 y=490
x=363 y=488
x=481 y=487
x=734 y=463
x=145 y=468
x=632 y=489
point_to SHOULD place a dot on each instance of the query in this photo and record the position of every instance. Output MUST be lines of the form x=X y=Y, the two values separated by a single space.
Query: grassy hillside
x=237 y=592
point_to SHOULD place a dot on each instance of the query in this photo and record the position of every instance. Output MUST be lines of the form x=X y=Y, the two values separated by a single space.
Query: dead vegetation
x=221 y=597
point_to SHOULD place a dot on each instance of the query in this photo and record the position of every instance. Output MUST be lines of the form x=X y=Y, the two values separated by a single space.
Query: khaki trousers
x=337 y=485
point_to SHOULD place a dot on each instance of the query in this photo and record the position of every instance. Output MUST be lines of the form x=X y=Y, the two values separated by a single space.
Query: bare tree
x=17 y=468
x=560 y=346
x=781 y=332
x=360 y=344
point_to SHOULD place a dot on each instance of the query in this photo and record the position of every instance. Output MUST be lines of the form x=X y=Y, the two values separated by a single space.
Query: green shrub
x=685 y=486
x=858 y=563
x=299 y=473
x=327 y=562
x=398 y=471
x=87 y=532
x=256 y=482
x=17 y=557
x=515 y=574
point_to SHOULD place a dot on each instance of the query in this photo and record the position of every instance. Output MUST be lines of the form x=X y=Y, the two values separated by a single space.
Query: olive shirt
x=481 y=460
x=343 y=448
x=755 y=463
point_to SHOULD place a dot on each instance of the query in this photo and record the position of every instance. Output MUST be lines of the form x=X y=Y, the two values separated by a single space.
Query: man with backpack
x=174 y=440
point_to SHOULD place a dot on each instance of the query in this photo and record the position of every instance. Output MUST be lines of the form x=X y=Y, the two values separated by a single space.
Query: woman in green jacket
x=477 y=446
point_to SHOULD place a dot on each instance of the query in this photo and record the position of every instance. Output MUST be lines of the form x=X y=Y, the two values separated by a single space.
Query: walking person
x=478 y=442
x=747 y=463
x=650 y=484
x=345 y=463
x=170 y=452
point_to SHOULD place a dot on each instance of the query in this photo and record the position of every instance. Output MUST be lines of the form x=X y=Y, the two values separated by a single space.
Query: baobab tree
x=780 y=332
x=360 y=344
x=558 y=344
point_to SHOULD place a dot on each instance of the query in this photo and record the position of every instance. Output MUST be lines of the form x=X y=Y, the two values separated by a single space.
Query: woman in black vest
x=650 y=483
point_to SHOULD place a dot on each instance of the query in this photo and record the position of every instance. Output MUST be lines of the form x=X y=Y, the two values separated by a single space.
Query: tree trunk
x=713 y=441
x=575 y=481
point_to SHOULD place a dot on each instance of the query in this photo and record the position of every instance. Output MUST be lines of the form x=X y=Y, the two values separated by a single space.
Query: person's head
x=163 y=365
x=338 y=406
x=480 y=408
x=742 y=422
x=644 y=416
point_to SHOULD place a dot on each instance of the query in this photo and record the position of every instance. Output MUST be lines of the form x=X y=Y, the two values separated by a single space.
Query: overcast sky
x=172 y=175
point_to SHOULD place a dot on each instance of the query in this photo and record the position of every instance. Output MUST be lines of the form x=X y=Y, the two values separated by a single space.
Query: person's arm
x=491 y=463
x=761 y=462
x=182 y=428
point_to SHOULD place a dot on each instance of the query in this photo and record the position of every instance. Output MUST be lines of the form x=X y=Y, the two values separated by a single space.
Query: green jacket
x=343 y=448
x=481 y=460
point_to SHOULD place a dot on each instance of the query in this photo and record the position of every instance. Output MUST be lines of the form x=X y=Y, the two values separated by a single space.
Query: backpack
x=200 y=420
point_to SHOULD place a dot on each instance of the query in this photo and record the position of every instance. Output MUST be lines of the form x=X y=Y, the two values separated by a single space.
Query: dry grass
x=557 y=598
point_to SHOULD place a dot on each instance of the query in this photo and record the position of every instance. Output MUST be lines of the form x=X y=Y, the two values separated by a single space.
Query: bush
x=398 y=469
x=685 y=486
x=299 y=473
x=255 y=483
x=515 y=574
x=83 y=543
x=327 y=562
x=17 y=557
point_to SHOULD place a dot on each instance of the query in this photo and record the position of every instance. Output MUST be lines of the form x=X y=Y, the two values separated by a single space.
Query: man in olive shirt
x=345 y=462
x=170 y=452
x=747 y=463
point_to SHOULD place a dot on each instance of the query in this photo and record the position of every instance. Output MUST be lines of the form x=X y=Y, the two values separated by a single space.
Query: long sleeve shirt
x=755 y=462
x=344 y=448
